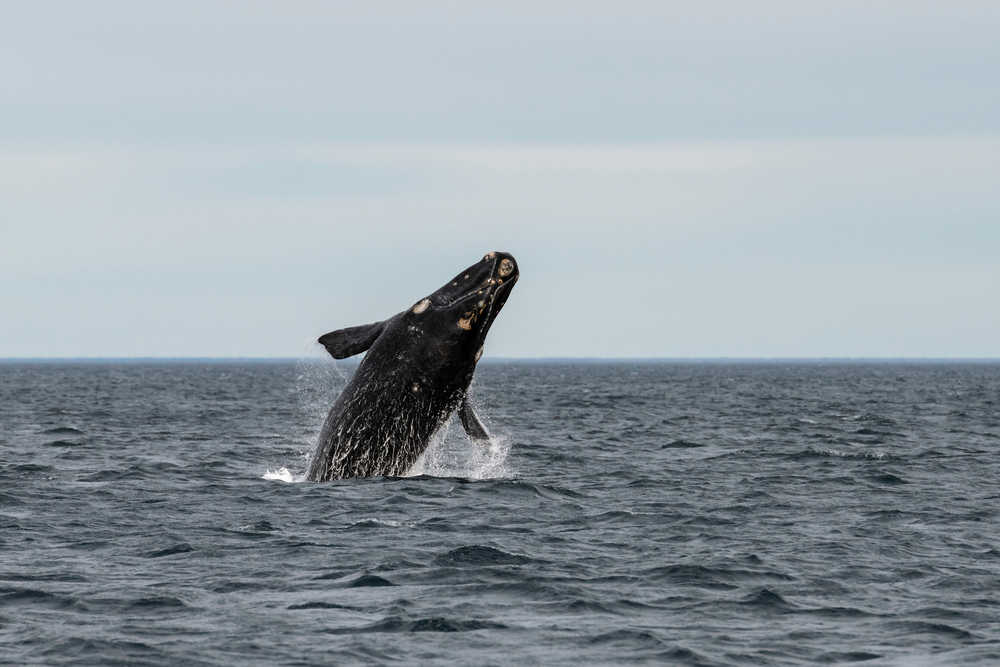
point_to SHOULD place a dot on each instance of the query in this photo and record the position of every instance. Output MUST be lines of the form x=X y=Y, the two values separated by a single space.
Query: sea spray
x=452 y=454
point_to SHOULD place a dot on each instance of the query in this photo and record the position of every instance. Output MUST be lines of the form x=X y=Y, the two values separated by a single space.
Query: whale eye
x=506 y=268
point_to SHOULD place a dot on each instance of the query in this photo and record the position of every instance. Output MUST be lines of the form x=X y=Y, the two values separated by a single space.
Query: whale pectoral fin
x=471 y=422
x=344 y=343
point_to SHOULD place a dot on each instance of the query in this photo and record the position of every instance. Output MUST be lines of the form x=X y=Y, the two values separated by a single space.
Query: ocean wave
x=62 y=430
x=812 y=453
x=172 y=550
x=480 y=555
x=426 y=624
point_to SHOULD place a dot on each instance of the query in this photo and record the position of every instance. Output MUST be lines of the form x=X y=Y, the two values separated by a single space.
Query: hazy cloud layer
x=539 y=71
x=237 y=178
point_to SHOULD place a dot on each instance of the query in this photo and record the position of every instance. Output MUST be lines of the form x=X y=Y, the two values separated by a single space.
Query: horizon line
x=94 y=359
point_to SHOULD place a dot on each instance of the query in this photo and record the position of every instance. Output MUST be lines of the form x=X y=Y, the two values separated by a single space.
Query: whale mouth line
x=472 y=294
x=491 y=286
x=459 y=299
x=494 y=287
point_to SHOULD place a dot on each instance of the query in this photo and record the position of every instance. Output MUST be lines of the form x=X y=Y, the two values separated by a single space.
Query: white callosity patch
x=422 y=306
x=506 y=268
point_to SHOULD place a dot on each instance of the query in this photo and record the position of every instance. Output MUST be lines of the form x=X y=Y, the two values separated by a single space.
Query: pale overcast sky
x=675 y=179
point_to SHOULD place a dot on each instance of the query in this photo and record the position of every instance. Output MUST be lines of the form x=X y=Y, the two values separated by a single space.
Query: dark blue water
x=694 y=513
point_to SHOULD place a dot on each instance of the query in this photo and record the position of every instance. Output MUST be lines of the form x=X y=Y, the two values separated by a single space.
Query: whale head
x=460 y=313
x=442 y=334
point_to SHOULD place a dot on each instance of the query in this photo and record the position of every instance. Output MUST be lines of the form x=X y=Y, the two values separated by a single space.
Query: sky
x=676 y=179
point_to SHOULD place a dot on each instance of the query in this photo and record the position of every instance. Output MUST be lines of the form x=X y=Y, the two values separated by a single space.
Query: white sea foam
x=283 y=474
x=839 y=453
x=374 y=522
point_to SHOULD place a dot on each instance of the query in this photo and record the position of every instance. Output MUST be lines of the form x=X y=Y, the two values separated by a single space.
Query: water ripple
x=657 y=513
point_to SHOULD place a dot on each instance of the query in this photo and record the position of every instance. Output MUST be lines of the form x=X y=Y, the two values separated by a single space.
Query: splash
x=444 y=457
x=452 y=454
x=283 y=475
x=317 y=383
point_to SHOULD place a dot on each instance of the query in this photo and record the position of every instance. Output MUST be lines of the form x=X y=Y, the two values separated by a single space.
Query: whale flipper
x=471 y=422
x=344 y=343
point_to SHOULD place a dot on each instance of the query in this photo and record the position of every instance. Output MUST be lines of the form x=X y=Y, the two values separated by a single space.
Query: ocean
x=688 y=513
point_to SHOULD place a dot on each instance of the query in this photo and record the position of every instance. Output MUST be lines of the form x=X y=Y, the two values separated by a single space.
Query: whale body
x=415 y=375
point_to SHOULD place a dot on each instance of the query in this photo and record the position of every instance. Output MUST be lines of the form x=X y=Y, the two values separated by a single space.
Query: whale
x=415 y=375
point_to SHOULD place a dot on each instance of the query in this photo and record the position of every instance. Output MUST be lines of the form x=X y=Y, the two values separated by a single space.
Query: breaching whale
x=415 y=375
